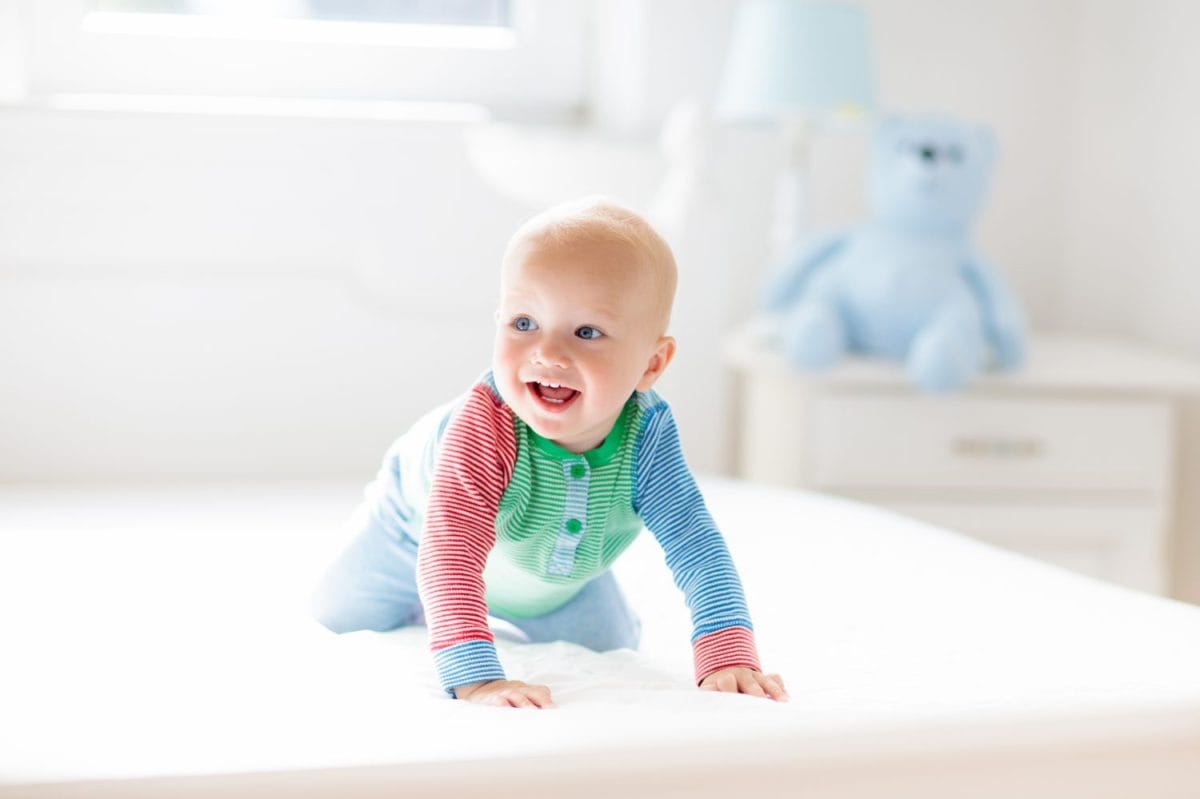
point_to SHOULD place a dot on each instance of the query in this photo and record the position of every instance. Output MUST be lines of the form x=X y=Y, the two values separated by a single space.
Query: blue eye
x=524 y=323
x=588 y=333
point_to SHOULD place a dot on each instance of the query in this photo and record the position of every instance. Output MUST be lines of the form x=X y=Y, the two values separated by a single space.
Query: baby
x=514 y=500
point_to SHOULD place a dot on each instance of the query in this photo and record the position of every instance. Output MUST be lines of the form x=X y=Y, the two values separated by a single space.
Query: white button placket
x=576 y=476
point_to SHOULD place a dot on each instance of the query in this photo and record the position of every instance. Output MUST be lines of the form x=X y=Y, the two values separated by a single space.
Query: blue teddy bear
x=906 y=284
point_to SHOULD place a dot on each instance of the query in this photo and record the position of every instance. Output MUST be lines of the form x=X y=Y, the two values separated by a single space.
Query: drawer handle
x=988 y=447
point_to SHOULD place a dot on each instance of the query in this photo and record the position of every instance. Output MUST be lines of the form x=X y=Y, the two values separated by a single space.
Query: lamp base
x=791 y=219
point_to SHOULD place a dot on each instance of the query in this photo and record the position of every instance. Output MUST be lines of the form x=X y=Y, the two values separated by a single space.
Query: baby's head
x=585 y=298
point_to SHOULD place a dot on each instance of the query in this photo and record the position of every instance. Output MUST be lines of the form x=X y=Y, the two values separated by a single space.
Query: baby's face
x=576 y=333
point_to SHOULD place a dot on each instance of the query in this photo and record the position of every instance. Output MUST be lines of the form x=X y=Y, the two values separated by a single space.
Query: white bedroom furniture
x=1069 y=459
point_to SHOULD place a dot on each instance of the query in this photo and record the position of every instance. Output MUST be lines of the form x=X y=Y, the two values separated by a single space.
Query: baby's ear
x=664 y=351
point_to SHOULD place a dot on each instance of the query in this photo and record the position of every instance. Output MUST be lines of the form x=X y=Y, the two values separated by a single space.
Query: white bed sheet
x=159 y=633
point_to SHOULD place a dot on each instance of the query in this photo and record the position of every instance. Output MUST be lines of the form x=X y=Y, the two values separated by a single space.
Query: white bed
x=153 y=645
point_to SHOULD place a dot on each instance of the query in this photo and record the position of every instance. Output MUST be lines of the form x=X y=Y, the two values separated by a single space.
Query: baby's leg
x=598 y=618
x=372 y=585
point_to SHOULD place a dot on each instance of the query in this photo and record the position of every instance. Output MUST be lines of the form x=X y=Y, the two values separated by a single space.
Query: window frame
x=540 y=71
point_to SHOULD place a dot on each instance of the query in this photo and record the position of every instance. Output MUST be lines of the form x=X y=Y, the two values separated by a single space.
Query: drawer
x=1118 y=542
x=989 y=444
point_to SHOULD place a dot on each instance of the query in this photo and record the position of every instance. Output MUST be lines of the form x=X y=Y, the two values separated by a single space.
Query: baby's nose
x=551 y=354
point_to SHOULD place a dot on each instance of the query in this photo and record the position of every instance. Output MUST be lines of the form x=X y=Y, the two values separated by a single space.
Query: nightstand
x=1070 y=459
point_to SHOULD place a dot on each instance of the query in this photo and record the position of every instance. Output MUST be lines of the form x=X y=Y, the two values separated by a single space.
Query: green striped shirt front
x=563 y=519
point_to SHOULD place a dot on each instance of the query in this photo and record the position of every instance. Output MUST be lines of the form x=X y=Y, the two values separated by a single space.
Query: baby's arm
x=473 y=468
x=670 y=503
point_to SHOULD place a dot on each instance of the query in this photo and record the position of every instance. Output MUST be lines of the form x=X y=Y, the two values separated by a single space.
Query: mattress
x=155 y=642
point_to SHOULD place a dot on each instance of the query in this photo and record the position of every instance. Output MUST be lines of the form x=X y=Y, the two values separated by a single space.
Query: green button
x=574 y=526
x=578 y=471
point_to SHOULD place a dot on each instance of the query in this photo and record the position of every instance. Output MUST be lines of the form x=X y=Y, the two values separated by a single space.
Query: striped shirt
x=510 y=521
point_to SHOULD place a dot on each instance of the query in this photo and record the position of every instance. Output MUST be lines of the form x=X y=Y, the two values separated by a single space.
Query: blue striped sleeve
x=668 y=501
x=466 y=663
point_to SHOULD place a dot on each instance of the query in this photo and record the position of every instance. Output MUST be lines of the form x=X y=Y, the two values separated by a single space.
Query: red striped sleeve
x=474 y=466
x=724 y=649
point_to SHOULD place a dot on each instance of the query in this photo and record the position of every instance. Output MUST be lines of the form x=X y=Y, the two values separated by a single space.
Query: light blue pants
x=373 y=586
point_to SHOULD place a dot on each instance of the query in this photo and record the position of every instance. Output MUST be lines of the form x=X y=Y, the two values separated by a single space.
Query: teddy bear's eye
x=954 y=154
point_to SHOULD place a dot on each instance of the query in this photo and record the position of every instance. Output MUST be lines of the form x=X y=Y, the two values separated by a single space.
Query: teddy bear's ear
x=889 y=127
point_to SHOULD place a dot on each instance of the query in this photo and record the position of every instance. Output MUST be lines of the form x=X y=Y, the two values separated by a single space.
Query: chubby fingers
x=773 y=685
x=746 y=681
x=506 y=693
x=529 y=696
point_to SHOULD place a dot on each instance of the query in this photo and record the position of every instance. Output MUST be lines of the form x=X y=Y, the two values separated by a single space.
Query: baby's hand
x=739 y=680
x=505 y=693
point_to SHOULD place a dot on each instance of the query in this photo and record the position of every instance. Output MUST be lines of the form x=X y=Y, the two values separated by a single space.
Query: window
x=468 y=13
x=514 y=56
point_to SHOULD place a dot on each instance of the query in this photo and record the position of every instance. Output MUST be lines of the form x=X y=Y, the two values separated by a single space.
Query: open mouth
x=552 y=396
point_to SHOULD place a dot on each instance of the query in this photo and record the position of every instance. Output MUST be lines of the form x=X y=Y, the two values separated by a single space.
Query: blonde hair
x=597 y=218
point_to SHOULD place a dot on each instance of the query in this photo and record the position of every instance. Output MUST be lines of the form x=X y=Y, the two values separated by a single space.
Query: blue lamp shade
x=796 y=57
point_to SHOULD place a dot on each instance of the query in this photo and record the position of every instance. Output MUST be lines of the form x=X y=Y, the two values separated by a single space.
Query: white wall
x=212 y=297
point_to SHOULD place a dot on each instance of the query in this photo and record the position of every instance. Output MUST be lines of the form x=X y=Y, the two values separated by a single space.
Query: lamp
x=793 y=63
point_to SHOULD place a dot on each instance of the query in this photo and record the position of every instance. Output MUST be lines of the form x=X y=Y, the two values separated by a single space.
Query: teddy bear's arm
x=1002 y=315
x=787 y=279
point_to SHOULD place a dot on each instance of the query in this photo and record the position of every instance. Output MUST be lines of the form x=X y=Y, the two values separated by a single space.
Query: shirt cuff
x=466 y=663
x=725 y=649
